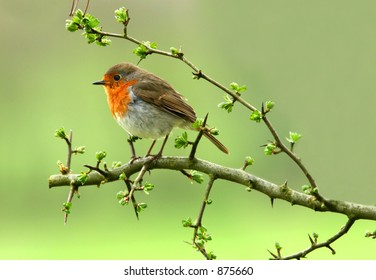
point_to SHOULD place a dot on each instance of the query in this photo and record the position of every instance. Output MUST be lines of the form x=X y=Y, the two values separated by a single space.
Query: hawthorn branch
x=312 y=200
x=239 y=176
x=198 y=223
x=314 y=245
x=200 y=74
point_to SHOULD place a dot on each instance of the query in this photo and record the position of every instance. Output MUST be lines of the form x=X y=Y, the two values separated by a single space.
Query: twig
x=96 y=168
x=69 y=144
x=198 y=223
x=133 y=187
x=327 y=244
x=67 y=206
x=133 y=199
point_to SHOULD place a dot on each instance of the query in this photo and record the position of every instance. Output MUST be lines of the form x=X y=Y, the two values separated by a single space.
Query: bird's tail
x=216 y=142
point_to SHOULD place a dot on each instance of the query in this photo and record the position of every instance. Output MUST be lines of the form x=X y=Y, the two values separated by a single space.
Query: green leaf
x=278 y=246
x=103 y=42
x=242 y=88
x=100 y=155
x=212 y=256
x=141 y=207
x=309 y=190
x=293 y=137
x=306 y=189
x=148 y=187
x=187 y=222
x=182 y=141
x=79 y=150
x=90 y=21
x=256 y=116
x=71 y=26
x=249 y=160
x=60 y=133
x=93 y=22
x=116 y=164
x=79 y=14
x=269 y=149
x=67 y=206
x=142 y=50
x=227 y=104
x=90 y=37
x=120 y=195
x=234 y=86
x=198 y=123
x=214 y=131
x=269 y=105
x=197 y=176
x=152 y=45
x=121 y=15
x=82 y=178
x=174 y=51
x=122 y=176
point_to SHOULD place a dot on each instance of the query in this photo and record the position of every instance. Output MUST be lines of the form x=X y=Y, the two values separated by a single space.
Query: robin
x=146 y=106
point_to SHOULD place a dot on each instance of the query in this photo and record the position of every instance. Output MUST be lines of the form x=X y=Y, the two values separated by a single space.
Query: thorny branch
x=314 y=201
x=239 y=176
x=198 y=225
x=314 y=245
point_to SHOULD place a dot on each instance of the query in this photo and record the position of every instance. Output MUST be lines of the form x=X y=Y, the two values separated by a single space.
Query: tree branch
x=314 y=245
x=199 y=241
x=310 y=199
x=274 y=191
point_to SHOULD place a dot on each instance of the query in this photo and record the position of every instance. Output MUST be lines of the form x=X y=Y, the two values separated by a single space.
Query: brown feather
x=170 y=101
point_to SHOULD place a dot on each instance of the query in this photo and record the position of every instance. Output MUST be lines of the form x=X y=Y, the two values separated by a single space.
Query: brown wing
x=160 y=94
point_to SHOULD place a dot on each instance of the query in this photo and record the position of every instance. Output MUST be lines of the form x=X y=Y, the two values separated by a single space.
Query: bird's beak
x=102 y=82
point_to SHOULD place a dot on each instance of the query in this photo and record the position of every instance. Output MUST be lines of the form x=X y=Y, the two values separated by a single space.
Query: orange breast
x=118 y=97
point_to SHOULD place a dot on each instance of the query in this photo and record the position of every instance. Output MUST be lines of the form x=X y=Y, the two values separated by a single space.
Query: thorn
x=310 y=239
x=272 y=201
x=331 y=249
x=139 y=61
x=205 y=119
x=274 y=256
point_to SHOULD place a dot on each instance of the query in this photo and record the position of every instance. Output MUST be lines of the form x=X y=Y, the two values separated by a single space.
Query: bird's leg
x=161 y=150
x=151 y=148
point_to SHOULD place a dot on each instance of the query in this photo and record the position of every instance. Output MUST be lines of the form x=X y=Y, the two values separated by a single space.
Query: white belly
x=146 y=121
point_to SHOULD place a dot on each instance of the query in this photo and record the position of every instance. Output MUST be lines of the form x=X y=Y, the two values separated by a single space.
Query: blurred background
x=315 y=59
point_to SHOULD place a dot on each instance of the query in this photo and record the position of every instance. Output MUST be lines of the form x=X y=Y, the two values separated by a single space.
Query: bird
x=147 y=106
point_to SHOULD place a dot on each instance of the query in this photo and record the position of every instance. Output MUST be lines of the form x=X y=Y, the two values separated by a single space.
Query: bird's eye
x=117 y=77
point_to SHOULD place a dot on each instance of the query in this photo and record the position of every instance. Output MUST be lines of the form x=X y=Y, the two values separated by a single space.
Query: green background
x=315 y=59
